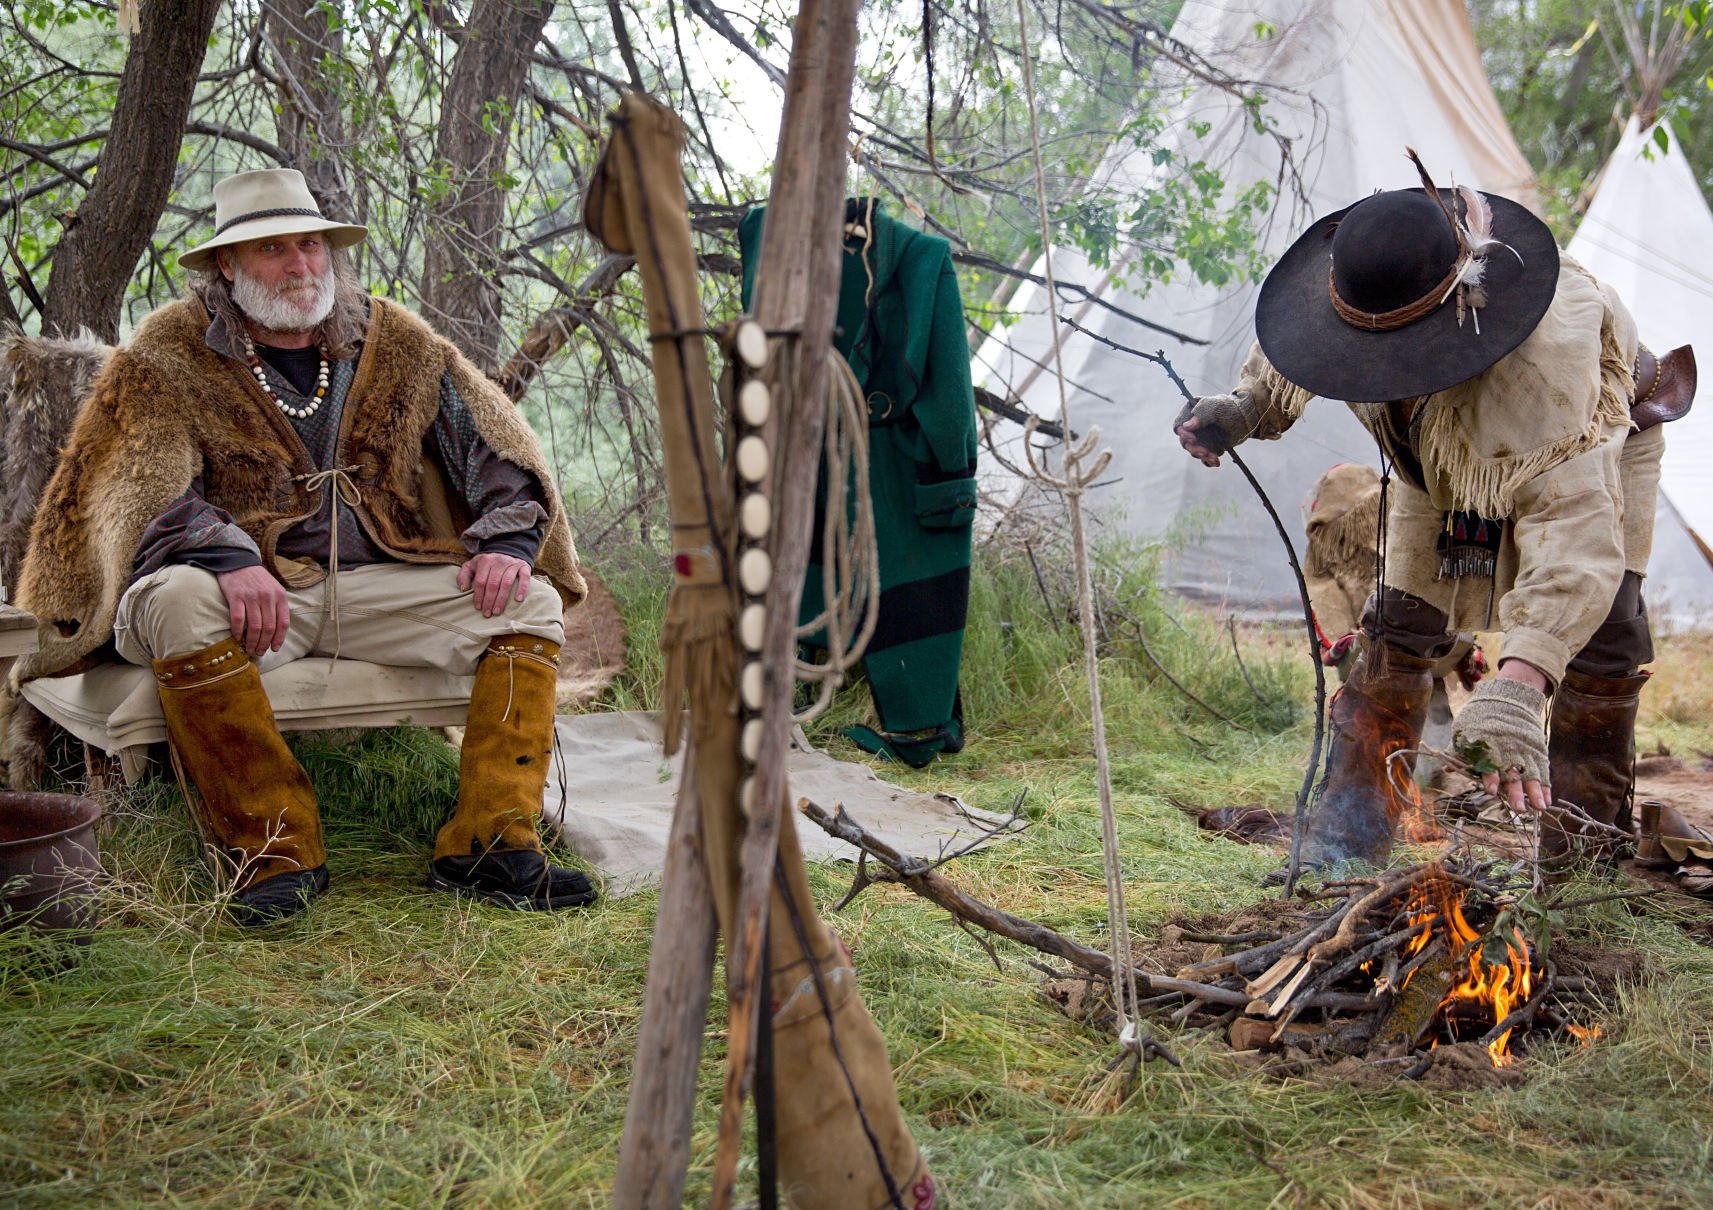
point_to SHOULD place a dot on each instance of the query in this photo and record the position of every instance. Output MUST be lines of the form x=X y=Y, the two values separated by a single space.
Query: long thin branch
x=1294 y=866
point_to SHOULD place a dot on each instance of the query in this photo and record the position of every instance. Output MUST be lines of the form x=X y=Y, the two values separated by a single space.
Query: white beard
x=283 y=309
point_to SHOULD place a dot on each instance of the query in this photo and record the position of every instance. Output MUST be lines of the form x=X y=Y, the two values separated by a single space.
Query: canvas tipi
x=1649 y=234
x=1350 y=83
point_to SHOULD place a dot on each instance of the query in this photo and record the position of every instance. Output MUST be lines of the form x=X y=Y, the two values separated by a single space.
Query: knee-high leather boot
x=1380 y=710
x=490 y=847
x=1592 y=751
x=257 y=804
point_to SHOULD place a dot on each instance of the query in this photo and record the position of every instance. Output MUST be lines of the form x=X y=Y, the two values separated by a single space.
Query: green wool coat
x=905 y=340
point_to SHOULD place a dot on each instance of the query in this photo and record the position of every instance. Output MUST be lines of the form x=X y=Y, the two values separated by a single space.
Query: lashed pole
x=733 y=852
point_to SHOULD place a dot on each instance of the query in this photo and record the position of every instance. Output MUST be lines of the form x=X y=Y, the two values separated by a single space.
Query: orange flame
x=1499 y=989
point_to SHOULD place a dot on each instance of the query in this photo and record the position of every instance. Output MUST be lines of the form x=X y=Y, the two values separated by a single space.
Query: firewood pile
x=1389 y=968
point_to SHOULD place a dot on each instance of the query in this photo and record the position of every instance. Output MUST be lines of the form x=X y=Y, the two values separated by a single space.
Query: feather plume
x=1478 y=225
x=1432 y=189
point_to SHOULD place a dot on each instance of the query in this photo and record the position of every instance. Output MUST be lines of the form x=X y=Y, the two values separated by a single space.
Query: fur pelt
x=43 y=383
x=595 y=646
x=167 y=408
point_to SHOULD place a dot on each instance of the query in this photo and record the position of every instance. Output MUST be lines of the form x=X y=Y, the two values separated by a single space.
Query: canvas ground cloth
x=610 y=794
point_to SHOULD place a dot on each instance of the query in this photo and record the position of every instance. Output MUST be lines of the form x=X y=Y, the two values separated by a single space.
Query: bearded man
x=1500 y=382
x=281 y=466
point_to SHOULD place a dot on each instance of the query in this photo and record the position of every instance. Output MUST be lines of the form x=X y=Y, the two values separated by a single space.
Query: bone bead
x=751 y=344
x=754 y=403
x=752 y=459
x=755 y=516
x=755 y=569
x=750 y=745
x=750 y=685
x=752 y=626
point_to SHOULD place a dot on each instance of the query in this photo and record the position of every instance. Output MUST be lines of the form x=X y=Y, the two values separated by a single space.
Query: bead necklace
x=296 y=413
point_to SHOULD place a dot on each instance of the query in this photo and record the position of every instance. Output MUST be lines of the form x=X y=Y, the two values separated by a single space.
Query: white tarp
x=610 y=795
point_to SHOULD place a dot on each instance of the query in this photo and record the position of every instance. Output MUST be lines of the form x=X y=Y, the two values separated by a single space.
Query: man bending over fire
x=282 y=466
x=1518 y=415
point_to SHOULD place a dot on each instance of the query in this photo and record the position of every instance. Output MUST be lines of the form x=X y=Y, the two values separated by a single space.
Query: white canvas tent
x=1351 y=83
x=1649 y=233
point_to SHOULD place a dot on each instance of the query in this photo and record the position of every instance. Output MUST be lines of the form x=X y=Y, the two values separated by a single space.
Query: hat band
x=1398 y=317
x=281 y=212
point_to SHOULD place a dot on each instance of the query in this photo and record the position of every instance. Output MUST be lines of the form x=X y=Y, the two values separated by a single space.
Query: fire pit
x=1390 y=969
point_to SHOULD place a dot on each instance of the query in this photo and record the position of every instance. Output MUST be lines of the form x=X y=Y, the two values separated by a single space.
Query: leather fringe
x=696 y=644
x=1338 y=543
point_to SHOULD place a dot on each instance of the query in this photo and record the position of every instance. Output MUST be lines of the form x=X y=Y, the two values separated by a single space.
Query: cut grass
x=394 y=1047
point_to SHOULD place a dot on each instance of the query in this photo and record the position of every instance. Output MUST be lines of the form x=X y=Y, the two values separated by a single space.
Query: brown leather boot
x=257 y=806
x=1378 y=712
x=490 y=847
x=1592 y=750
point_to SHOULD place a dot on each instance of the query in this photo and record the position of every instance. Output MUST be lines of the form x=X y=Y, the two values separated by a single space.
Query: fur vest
x=167 y=408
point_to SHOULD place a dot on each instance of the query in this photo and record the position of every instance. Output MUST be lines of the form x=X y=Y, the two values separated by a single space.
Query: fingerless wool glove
x=1501 y=728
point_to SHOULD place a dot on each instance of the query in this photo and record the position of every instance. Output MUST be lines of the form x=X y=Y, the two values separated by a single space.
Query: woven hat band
x=279 y=212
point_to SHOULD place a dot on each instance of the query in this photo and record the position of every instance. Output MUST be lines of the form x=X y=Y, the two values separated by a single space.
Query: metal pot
x=49 y=860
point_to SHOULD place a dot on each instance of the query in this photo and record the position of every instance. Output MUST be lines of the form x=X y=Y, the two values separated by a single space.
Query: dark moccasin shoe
x=281 y=896
x=519 y=879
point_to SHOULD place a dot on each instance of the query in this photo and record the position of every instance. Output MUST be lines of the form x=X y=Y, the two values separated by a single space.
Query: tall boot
x=1592 y=753
x=257 y=806
x=1380 y=710
x=490 y=847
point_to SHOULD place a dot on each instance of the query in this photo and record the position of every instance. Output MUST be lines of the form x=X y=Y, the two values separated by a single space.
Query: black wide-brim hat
x=1384 y=252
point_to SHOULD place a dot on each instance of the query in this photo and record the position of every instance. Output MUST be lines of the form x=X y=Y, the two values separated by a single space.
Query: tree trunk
x=95 y=259
x=312 y=125
x=460 y=293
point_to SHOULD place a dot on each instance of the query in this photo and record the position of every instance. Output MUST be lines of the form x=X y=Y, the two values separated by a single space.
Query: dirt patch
x=1605 y=969
x=1684 y=785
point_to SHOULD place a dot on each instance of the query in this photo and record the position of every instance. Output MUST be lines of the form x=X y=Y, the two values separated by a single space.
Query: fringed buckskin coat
x=167 y=408
x=1541 y=440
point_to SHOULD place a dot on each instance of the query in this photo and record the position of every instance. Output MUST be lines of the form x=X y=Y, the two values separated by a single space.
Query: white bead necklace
x=296 y=413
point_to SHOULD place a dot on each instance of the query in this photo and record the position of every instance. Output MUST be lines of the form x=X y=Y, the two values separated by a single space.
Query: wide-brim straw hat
x=1374 y=303
x=271 y=201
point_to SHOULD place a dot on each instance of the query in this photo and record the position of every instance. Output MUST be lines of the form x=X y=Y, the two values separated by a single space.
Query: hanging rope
x=1073 y=482
x=850 y=559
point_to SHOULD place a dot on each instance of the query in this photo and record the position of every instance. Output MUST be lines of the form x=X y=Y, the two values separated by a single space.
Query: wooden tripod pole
x=796 y=292
x=719 y=862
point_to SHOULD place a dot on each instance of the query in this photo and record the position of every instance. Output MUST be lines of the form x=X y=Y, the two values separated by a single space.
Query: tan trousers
x=405 y=614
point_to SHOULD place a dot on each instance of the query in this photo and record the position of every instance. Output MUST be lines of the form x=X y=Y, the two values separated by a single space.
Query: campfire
x=1445 y=962
x=1387 y=968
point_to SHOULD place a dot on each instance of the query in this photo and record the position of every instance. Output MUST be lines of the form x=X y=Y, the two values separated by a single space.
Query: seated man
x=1498 y=380
x=281 y=466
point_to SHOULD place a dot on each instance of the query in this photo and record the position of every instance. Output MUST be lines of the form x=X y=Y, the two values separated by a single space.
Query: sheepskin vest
x=166 y=408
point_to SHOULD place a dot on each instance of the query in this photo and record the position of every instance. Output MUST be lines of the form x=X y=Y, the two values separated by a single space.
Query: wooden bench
x=115 y=709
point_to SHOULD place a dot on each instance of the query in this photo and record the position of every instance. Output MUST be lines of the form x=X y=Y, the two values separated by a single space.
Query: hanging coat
x=901 y=328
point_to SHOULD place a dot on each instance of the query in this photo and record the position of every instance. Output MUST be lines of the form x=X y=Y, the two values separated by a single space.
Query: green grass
x=394 y=1047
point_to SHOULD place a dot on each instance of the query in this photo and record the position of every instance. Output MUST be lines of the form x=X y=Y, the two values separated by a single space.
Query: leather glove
x=1333 y=653
x=1500 y=730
